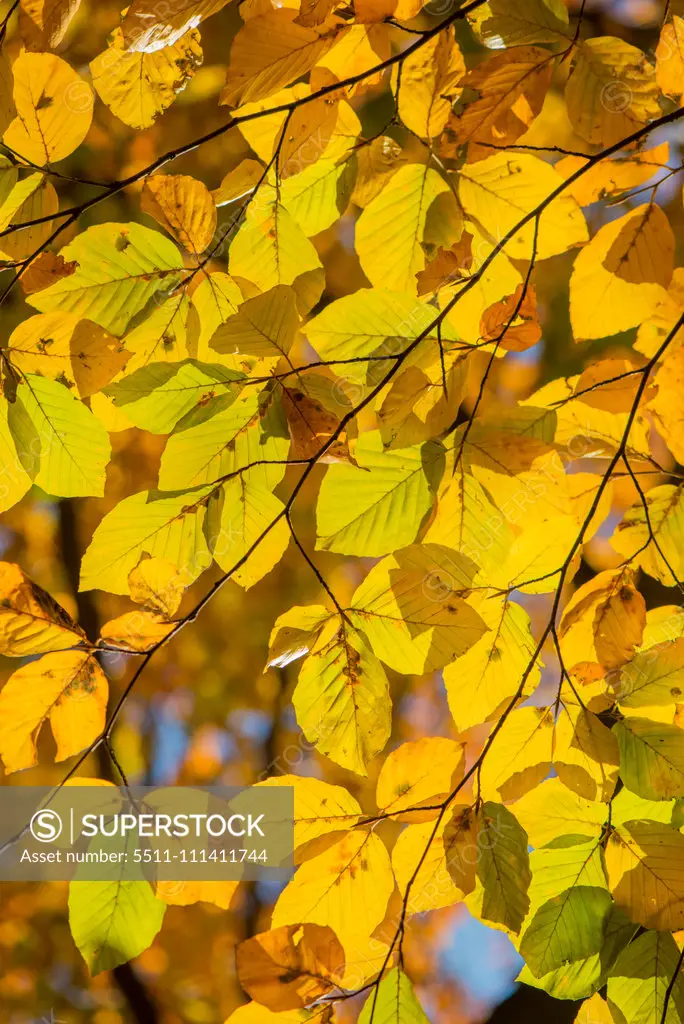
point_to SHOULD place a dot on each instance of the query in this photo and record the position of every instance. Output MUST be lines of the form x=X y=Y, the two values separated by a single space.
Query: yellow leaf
x=580 y=428
x=346 y=887
x=271 y=249
x=291 y=966
x=270 y=52
x=358 y=49
x=551 y=811
x=216 y=298
x=611 y=91
x=319 y=810
x=308 y=134
x=369 y=11
x=507 y=22
x=149 y=27
x=31 y=199
x=489 y=674
x=609 y=177
x=645 y=867
x=255 y=1013
x=18 y=463
x=512 y=86
x=239 y=182
x=183 y=894
x=666 y=407
x=603 y=621
x=342 y=698
x=167 y=527
x=428 y=85
x=499 y=280
x=419 y=773
x=294 y=633
x=157 y=585
x=31 y=622
x=390 y=230
x=67 y=688
x=63 y=347
x=54 y=108
x=237 y=517
x=521 y=755
x=137 y=631
x=663 y=519
x=263 y=326
x=378 y=160
x=586 y=754
x=183 y=206
x=138 y=87
x=424 y=397
x=263 y=132
x=594 y=1011
x=499 y=191
x=468 y=521
x=43 y=23
x=670 y=58
x=440 y=862
x=7 y=108
x=411 y=608
x=661 y=322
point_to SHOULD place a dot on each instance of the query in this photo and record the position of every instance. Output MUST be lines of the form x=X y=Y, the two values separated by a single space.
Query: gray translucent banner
x=162 y=833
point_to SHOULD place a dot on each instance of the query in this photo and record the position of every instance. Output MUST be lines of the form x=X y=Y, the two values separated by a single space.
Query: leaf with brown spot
x=69 y=689
x=183 y=206
x=31 y=621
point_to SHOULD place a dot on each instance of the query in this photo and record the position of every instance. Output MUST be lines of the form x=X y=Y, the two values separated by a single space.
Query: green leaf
x=410 y=609
x=19 y=446
x=317 y=196
x=121 y=268
x=206 y=447
x=654 y=676
x=166 y=526
x=157 y=396
x=640 y=978
x=503 y=869
x=393 y=1002
x=651 y=758
x=582 y=978
x=73 y=447
x=393 y=493
x=113 y=922
x=568 y=927
x=342 y=699
x=372 y=321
